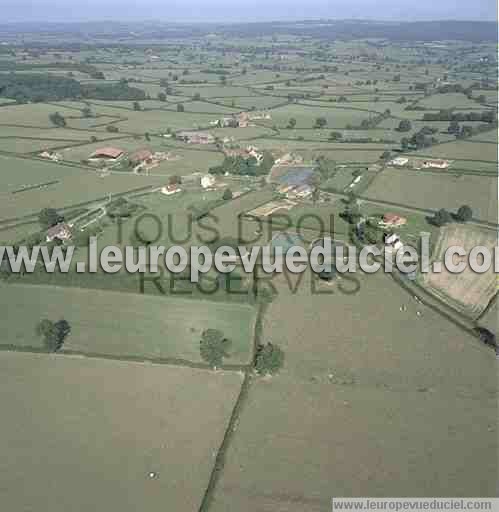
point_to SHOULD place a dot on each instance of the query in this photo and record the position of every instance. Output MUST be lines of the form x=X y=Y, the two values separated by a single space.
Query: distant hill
x=425 y=31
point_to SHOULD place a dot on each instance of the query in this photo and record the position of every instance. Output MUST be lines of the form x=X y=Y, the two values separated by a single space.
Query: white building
x=208 y=181
x=170 y=190
x=400 y=161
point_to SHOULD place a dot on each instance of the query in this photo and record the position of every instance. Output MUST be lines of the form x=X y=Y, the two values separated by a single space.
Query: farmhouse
x=107 y=153
x=436 y=164
x=60 y=231
x=400 y=161
x=392 y=219
x=141 y=156
x=196 y=137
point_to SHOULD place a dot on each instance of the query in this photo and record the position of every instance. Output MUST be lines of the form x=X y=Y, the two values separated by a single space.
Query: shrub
x=269 y=359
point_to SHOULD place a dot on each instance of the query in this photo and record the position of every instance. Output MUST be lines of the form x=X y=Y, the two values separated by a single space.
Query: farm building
x=107 y=153
x=141 y=156
x=392 y=219
x=301 y=192
x=60 y=231
x=196 y=137
x=400 y=161
x=436 y=164
x=208 y=181
x=392 y=242
x=169 y=190
x=55 y=157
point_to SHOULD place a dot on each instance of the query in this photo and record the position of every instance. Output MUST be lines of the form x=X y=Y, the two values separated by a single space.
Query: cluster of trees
x=53 y=333
x=240 y=166
x=214 y=347
x=352 y=213
x=40 y=87
x=372 y=121
x=404 y=126
x=117 y=91
x=424 y=138
x=49 y=217
x=462 y=132
x=320 y=122
x=444 y=89
x=488 y=116
x=121 y=208
x=443 y=216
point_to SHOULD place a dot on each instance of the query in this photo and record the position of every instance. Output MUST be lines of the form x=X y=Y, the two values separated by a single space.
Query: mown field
x=148 y=327
x=84 y=434
x=371 y=400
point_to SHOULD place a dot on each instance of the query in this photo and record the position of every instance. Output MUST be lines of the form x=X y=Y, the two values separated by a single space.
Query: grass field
x=371 y=400
x=74 y=186
x=102 y=427
x=435 y=191
x=464 y=150
x=149 y=327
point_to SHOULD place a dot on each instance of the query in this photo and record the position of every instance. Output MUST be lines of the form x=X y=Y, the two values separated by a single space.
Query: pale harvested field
x=81 y=434
x=471 y=291
x=435 y=191
x=372 y=402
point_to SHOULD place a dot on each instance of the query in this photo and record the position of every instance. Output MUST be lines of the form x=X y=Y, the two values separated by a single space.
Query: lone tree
x=54 y=333
x=269 y=359
x=442 y=217
x=386 y=156
x=57 y=119
x=49 y=217
x=464 y=214
x=180 y=108
x=86 y=112
x=335 y=136
x=292 y=123
x=404 y=126
x=214 y=346
x=161 y=96
x=320 y=122
x=227 y=195
x=136 y=106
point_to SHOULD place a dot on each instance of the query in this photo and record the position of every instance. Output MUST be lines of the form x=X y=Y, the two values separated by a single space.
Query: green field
x=434 y=191
x=146 y=327
x=384 y=400
x=119 y=422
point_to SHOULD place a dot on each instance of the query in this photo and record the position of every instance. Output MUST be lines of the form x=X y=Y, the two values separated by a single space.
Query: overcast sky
x=244 y=10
